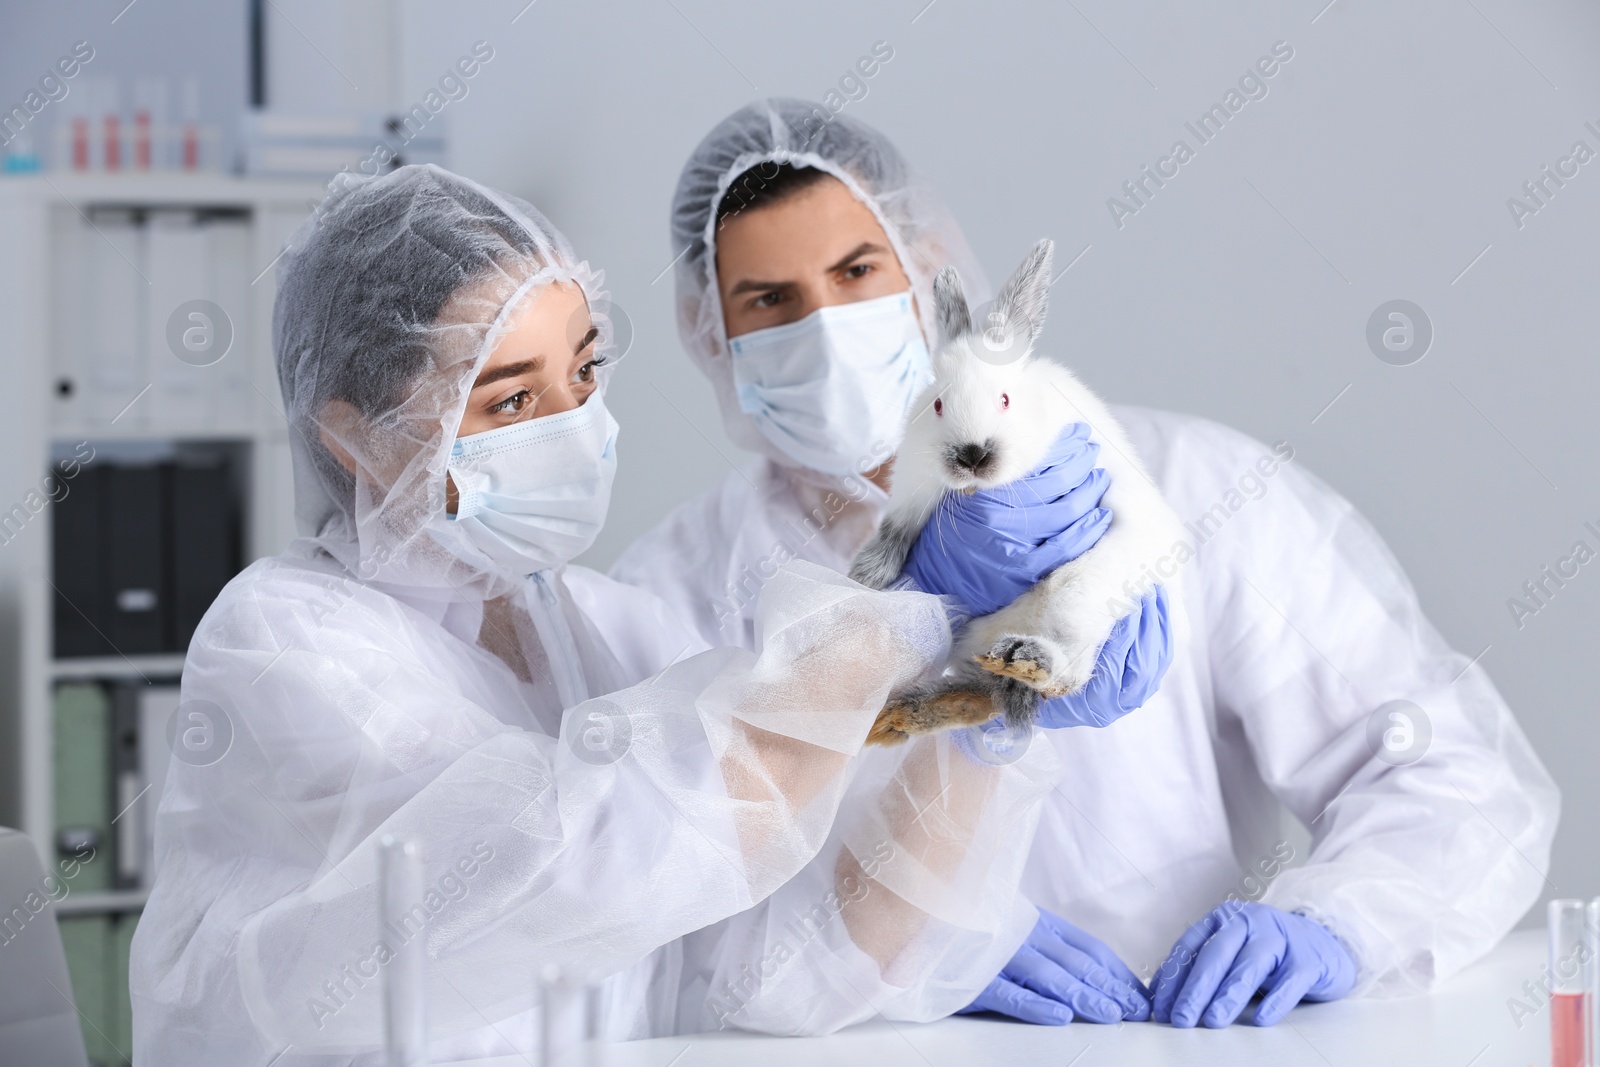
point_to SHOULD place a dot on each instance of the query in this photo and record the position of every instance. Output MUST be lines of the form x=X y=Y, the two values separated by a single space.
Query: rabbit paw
x=922 y=712
x=1079 y=659
x=1030 y=660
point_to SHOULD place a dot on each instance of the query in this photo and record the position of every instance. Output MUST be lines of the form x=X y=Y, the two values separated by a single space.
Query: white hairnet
x=921 y=231
x=389 y=301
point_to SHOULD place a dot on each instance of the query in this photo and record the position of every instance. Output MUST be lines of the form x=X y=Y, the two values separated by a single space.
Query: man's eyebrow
x=865 y=248
x=749 y=286
x=510 y=370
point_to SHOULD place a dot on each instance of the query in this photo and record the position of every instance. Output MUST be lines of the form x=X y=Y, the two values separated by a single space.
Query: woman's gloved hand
x=987 y=548
x=1061 y=973
x=1224 y=959
x=1132 y=663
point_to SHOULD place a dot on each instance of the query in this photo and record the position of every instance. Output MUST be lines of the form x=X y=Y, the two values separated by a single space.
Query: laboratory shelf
x=92 y=269
x=96 y=273
x=112 y=900
x=116 y=667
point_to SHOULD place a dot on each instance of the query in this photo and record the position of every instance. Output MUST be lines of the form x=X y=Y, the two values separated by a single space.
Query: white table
x=1465 y=1024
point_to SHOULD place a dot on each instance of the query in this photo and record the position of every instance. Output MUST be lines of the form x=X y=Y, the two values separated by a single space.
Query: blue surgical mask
x=832 y=390
x=534 y=494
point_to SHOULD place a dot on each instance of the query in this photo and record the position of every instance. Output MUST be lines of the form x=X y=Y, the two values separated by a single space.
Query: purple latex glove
x=987 y=548
x=1239 y=949
x=1061 y=973
x=1132 y=663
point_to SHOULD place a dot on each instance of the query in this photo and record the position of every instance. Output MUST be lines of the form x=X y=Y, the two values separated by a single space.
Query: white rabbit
x=990 y=417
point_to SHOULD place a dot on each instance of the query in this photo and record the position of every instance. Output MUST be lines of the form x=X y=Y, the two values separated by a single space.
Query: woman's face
x=543 y=364
x=777 y=263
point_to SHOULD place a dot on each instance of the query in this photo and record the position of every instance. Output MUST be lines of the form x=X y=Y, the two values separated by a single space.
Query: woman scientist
x=1305 y=674
x=695 y=828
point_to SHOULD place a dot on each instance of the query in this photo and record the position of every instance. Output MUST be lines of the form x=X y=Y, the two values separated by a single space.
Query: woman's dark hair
x=765 y=184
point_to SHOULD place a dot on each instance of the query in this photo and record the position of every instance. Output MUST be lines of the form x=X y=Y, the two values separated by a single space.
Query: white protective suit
x=1299 y=625
x=699 y=831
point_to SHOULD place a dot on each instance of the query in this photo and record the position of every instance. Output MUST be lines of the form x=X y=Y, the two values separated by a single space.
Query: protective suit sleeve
x=1431 y=816
x=722 y=782
x=908 y=912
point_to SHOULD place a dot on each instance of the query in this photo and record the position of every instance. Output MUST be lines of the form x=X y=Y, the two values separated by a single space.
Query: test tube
x=80 y=142
x=1592 y=979
x=1569 y=973
x=149 y=107
x=112 y=154
x=191 y=123
x=569 y=1020
x=78 y=107
x=401 y=888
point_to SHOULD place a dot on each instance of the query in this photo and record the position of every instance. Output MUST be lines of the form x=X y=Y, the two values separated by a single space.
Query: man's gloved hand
x=987 y=548
x=1224 y=959
x=1132 y=663
x=1060 y=973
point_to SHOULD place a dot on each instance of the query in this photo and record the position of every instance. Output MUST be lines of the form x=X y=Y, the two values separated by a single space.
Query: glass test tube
x=111 y=152
x=1569 y=972
x=191 y=123
x=72 y=143
x=1592 y=980
x=149 y=122
x=401 y=888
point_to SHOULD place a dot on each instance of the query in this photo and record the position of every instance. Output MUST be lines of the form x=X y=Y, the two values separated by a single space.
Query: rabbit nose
x=971 y=457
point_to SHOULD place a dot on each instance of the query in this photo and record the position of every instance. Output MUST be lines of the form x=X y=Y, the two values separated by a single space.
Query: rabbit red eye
x=938 y=406
x=1005 y=401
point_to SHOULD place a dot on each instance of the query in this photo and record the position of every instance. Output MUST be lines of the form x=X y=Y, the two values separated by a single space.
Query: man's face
x=777 y=263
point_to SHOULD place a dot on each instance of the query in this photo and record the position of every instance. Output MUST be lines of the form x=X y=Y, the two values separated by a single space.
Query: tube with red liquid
x=111 y=120
x=191 y=123
x=1591 y=979
x=80 y=142
x=141 y=139
x=1569 y=985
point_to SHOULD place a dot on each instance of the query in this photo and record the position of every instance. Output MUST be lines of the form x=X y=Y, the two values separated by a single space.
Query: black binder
x=76 y=522
x=203 y=537
x=137 y=600
x=140 y=552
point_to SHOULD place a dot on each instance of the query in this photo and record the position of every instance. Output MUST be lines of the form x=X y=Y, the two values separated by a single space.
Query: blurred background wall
x=1379 y=165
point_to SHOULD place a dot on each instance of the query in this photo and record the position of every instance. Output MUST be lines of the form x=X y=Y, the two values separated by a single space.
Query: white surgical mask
x=832 y=390
x=534 y=494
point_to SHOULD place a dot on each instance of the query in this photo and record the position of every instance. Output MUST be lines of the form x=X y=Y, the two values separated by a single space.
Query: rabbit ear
x=950 y=305
x=1023 y=299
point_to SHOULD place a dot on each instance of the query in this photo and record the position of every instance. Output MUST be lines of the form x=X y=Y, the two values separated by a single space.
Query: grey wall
x=1377 y=167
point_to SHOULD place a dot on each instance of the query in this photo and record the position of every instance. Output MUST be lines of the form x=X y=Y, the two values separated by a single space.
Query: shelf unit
x=47 y=223
x=114 y=668
x=95 y=903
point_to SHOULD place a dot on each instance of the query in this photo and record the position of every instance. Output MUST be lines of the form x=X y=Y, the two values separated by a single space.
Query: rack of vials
x=98 y=128
x=1573 y=979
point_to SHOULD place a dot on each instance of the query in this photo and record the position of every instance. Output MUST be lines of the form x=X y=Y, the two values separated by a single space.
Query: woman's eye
x=586 y=372
x=513 y=404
